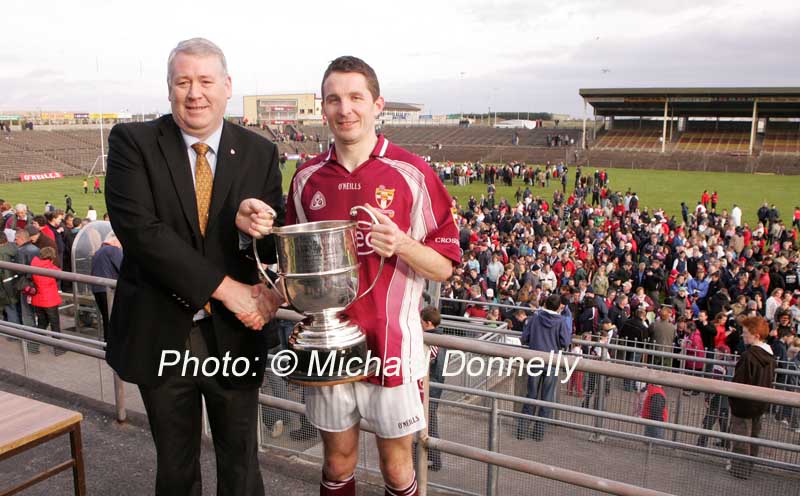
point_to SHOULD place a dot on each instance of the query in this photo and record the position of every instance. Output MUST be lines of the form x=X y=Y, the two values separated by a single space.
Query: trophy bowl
x=318 y=273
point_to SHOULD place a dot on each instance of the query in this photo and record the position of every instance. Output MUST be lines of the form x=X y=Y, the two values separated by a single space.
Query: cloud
x=548 y=78
x=516 y=54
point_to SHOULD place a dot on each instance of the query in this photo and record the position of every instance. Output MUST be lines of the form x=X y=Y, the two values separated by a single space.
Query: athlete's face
x=349 y=107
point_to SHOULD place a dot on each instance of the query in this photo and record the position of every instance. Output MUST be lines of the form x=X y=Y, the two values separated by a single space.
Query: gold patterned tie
x=204 y=184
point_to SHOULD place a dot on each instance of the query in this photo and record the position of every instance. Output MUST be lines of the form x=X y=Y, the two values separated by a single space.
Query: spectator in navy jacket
x=106 y=262
x=546 y=330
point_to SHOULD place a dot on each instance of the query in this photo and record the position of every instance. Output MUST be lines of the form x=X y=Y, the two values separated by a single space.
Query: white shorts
x=392 y=412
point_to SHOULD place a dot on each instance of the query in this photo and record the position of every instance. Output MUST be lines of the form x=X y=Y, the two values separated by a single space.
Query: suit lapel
x=174 y=150
x=228 y=164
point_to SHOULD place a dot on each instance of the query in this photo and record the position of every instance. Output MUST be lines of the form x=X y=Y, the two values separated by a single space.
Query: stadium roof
x=399 y=106
x=694 y=102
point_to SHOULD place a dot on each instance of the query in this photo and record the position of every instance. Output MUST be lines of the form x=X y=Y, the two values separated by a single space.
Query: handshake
x=253 y=305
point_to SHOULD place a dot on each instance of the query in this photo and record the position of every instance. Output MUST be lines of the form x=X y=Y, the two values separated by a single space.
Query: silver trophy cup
x=318 y=274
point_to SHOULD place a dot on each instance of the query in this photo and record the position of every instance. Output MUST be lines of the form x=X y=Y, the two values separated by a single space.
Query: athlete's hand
x=255 y=218
x=387 y=239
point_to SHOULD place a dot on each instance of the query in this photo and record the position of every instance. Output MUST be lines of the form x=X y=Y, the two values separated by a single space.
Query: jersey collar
x=379 y=151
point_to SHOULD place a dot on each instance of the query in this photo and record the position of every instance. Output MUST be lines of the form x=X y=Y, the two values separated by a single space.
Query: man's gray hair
x=199 y=47
x=20 y=206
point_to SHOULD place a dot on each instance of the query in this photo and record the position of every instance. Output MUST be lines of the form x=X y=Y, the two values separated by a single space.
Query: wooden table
x=25 y=423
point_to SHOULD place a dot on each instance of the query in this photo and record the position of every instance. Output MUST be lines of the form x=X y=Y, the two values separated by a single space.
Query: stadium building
x=281 y=109
x=746 y=129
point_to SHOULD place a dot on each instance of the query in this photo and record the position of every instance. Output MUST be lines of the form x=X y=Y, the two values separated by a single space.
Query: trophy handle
x=266 y=277
x=353 y=213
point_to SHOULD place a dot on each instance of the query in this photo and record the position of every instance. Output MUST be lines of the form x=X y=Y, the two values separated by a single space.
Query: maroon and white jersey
x=406 y=189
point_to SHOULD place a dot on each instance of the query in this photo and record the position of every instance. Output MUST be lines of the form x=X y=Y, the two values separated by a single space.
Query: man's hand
x=267 y=301
x=255 y=218
x=387 y=239
x=253 y=305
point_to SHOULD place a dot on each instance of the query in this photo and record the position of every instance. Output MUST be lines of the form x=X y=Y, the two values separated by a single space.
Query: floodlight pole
x=583 y=139
x=102 y=143
x=664 y=127
x=754 y=126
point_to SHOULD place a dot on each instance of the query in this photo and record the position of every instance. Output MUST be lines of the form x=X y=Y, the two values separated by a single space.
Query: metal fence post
x=601 y=393
x=492 y=470
x=100 y=377
x=119 y=399
x=24 y=345
x=677 y=415
x=259 y=436
x=422 y=447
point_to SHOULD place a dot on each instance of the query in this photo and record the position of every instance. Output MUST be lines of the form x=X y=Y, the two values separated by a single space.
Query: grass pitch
x=656 y=189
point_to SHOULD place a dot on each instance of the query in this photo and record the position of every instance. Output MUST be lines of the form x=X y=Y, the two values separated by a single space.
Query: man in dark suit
x=177 y=188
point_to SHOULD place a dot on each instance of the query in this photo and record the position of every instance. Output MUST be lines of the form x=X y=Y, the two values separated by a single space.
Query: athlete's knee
x=339 y=466
x=397 y=466
x=397 y=473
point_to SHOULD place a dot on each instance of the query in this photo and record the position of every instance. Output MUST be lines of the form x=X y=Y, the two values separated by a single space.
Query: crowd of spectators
x=613 y=270
x=43 y=241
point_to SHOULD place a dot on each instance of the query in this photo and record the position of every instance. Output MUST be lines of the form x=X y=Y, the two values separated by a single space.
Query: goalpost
x=102 y=160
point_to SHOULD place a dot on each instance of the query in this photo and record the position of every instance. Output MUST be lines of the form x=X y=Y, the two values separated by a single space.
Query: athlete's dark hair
x=348 y=63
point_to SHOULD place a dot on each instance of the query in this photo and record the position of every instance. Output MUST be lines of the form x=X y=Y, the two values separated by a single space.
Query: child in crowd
x=575 y=386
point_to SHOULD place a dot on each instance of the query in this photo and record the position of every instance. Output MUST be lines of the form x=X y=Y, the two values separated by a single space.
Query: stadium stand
x=71 y=152
x=632 y=135
x=782 y=138
x=709 y=141
x=484 y=136
x=715 y=137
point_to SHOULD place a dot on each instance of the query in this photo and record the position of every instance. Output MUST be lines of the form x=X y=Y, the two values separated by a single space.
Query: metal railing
x=647 y=347
x=492 y=456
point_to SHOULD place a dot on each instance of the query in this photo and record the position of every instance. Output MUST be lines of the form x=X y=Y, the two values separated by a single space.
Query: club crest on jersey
x=317 y=201
x=384 y=196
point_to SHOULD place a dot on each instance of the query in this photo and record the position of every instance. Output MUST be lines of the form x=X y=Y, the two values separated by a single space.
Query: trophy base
x=317 y=368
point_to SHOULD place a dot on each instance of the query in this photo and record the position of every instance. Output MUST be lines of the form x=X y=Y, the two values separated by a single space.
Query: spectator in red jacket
x=46 y=300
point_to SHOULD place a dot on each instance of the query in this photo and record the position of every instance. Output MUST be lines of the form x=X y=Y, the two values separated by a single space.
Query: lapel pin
x=233 y=152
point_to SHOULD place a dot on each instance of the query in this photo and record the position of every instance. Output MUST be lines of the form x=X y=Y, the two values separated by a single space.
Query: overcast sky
x=450 y=56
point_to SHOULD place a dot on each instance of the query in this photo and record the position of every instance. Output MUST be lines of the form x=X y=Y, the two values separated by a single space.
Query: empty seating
x=715 y=137
x=633 y=140
x=72 y=152
x=782 y=138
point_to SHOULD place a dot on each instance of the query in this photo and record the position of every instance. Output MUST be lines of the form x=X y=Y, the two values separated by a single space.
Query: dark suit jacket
x=169 y=269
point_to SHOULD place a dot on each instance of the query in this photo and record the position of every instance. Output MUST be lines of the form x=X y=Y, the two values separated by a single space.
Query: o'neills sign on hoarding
x=40 y=177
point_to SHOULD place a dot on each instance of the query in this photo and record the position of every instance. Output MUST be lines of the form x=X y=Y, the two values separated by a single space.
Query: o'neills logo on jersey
x=349 y=186
x=317 y=201
x=384 y=196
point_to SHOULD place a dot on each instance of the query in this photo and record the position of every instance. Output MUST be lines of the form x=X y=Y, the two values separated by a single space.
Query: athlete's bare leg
x=397 y=466
x=341 y=453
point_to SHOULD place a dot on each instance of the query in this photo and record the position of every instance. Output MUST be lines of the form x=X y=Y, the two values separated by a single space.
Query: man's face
x=349 y=108
x=198 y=92
x=19 y=241
x=20 y=214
